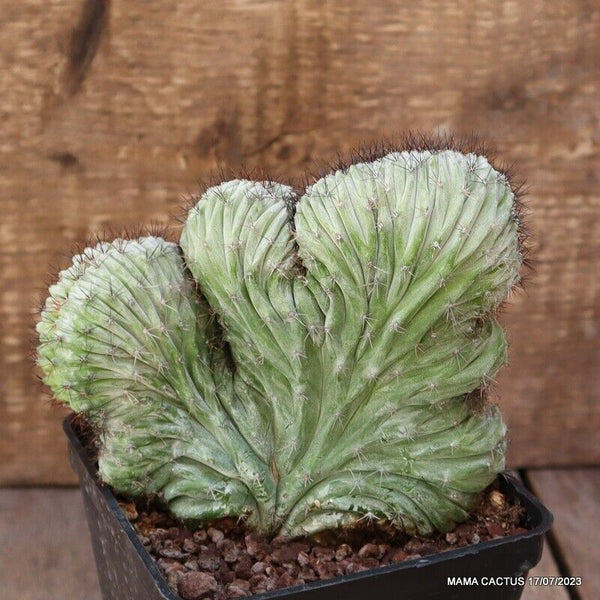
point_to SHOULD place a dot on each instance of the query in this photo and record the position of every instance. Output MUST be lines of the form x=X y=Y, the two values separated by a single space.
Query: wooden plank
x=545 y=568
x=45 y=548
x=110 y=112
x=573 y=496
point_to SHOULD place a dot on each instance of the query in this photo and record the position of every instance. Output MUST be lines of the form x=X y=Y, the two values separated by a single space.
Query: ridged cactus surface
x=306 y=363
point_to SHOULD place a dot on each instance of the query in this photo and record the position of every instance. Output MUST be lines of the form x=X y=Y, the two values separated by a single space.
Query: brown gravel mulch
x=224 y=560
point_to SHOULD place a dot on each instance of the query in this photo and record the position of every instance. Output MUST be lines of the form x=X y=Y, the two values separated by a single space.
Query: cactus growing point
x=305 y=363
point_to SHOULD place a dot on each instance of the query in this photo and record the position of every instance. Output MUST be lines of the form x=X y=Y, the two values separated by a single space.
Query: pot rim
x=536 y=512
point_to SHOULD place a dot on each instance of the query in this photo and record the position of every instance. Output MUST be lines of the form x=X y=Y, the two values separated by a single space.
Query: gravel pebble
x=130 y=510
x=327 y=569
x=172 y=553
x=495 y=530
x=399 y=556
x=258 y=567
x=191 y=565
x=289 y=552
x=451 y=538
x=343 y=551
x=238 y=588
x=189 y=545
x=324 y=554
x=200 y=536
x=284 y=580
x=209 y=560
x=228 y=549
x=216 y=535
x=497 y=499
x=168 y=565
x=369 y=551
x=195 y=586
x=243 y=568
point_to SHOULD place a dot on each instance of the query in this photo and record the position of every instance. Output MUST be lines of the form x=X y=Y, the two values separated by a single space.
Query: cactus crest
x=300 y=362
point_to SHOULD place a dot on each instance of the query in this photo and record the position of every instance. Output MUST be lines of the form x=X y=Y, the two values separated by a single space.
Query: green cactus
x=304 y=363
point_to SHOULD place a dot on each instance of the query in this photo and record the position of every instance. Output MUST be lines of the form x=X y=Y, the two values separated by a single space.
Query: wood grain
x=573 y=495
x=545 y=568
x=45 y=549
x=110 y=113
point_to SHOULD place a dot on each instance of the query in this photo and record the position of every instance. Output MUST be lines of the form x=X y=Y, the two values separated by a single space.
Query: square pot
x=496 y=569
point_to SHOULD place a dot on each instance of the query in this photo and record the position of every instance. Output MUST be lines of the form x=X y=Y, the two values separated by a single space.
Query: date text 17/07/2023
x=532 y=580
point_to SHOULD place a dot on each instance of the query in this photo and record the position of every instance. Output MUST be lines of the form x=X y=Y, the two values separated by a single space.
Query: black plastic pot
x=495 y=570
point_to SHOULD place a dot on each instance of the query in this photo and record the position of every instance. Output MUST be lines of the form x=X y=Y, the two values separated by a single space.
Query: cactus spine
x=357 y=318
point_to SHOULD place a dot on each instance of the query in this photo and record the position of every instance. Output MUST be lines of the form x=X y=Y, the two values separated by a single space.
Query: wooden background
x=110 y=113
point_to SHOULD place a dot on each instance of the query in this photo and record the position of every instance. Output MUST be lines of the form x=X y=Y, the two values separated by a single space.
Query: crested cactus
x=304 y=363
